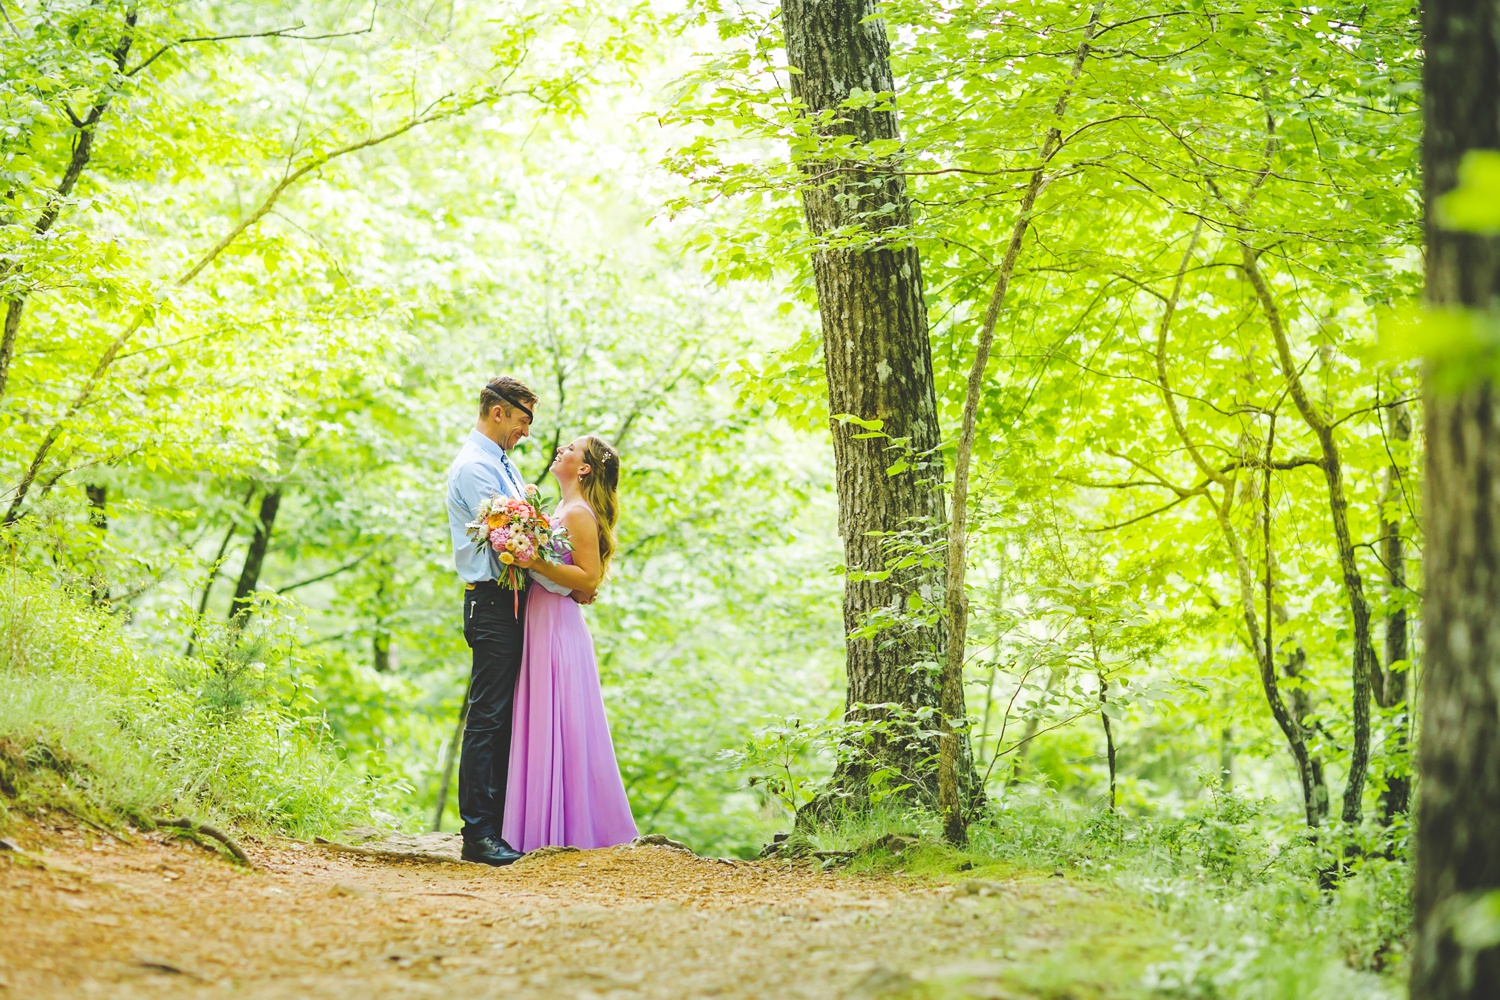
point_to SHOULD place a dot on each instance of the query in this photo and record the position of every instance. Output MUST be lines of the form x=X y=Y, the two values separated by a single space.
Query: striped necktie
x=512 y=474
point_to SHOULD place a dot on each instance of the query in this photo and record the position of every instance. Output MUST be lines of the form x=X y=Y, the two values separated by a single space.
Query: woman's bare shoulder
x=580 y=520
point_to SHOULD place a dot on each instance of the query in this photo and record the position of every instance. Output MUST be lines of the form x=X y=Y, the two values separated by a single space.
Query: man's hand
x=585 y=596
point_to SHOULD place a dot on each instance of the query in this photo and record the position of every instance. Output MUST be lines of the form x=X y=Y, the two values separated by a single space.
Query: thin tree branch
x=321 y=576
x=82 y=151
x=6 y=14
x=1169 y=398
x=1150 y=513
x=432 y=113
x=273 y=33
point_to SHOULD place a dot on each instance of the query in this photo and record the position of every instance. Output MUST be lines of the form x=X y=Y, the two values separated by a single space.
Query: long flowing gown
x=564 y=788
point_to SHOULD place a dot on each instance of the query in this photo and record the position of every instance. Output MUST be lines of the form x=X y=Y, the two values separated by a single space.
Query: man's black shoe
x=490 y=851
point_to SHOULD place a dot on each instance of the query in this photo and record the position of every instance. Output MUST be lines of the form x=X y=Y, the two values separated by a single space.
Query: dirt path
x=82 y=915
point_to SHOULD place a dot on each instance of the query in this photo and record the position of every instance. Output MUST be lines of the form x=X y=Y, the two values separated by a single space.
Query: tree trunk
x=952 y=688
x=1109 y=735
x=879 y=368
x=1226 y=758
x=1458 y=793
x=380 y=638
x=213 y=575
x=380 y=648
x=243 y=602
x=98 y=518
x=1309 y=773
x=1390 y=692
x=1304 y=717
x=1364 y=664
x=1315 y=785
x=450 y=757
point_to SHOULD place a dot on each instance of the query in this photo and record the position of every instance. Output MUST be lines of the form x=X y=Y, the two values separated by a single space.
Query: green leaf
x=1474 y=205
x=849 y=418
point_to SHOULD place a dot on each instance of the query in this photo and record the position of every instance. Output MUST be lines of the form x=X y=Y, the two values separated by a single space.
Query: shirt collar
x=487 y=446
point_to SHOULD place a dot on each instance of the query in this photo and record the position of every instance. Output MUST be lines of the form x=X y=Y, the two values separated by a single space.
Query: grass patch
x=1220 y=903
x=95 y=725
x=1062 y=934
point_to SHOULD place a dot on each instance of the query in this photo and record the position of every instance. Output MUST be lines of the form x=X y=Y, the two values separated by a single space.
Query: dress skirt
x=564 y=787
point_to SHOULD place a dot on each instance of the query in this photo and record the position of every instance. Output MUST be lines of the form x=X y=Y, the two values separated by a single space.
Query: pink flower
x=498 y=538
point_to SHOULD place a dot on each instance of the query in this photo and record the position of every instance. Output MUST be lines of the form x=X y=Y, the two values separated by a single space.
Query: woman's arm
x=585 y=573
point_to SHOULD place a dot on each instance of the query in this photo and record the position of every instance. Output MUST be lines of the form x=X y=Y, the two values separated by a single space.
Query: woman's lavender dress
x=564 y=786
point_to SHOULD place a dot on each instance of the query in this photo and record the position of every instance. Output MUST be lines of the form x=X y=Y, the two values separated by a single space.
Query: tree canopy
x=256 y=262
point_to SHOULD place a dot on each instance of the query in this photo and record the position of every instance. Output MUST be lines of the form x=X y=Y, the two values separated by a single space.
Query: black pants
x=494 y=632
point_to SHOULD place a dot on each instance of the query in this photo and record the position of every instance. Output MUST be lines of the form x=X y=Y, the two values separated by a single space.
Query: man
x=493 y=627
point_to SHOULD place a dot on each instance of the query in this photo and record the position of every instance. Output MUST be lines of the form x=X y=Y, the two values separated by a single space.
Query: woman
x=564 y=786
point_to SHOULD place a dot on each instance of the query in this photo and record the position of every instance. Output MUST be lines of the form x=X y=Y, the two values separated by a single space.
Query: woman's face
x=569 y=463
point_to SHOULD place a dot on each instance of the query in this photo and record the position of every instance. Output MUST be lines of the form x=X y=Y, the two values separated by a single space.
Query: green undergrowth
x=1222 y=902
x=95 y=725
x=1058 y=936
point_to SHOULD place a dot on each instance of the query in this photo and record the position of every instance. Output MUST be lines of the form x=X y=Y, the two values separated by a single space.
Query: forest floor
x=85 y=914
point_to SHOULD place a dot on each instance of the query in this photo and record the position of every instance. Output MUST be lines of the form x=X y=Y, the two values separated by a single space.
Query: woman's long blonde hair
x=601 y=488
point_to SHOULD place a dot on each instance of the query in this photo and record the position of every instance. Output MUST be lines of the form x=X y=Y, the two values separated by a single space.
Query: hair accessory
x=524 y=409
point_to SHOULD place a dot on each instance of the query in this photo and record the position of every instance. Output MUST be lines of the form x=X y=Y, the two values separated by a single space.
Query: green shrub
x=1237 y=886
x=92 y=723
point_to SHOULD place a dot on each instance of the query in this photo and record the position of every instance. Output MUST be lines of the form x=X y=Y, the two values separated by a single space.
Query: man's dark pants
x=494 y=630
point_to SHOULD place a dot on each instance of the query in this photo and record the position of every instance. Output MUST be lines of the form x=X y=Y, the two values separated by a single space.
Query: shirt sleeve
x=469 y=486
x=475 y=483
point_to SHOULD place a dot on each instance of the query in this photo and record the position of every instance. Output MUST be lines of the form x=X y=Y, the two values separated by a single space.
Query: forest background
x=257 y=259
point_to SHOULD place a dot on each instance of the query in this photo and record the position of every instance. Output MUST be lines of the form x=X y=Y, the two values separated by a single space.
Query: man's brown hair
x=507 y=392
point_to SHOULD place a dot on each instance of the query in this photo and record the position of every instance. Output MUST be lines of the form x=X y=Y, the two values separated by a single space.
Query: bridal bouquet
x=518 y=531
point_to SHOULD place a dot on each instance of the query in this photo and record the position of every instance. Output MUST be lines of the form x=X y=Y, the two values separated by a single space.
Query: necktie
x=512 y=474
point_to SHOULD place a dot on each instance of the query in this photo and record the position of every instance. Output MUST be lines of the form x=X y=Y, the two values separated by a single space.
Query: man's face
x=513 y=427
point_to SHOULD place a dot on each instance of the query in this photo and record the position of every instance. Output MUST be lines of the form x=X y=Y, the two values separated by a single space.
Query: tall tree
x=876 y=352
x=1457 y=952
x=958 y=611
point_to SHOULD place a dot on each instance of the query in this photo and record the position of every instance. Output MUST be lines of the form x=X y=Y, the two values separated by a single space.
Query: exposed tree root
x=376 y=852
x=193 y=826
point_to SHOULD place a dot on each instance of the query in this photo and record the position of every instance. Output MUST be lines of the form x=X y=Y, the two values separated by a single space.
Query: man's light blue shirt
x=481 y=470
